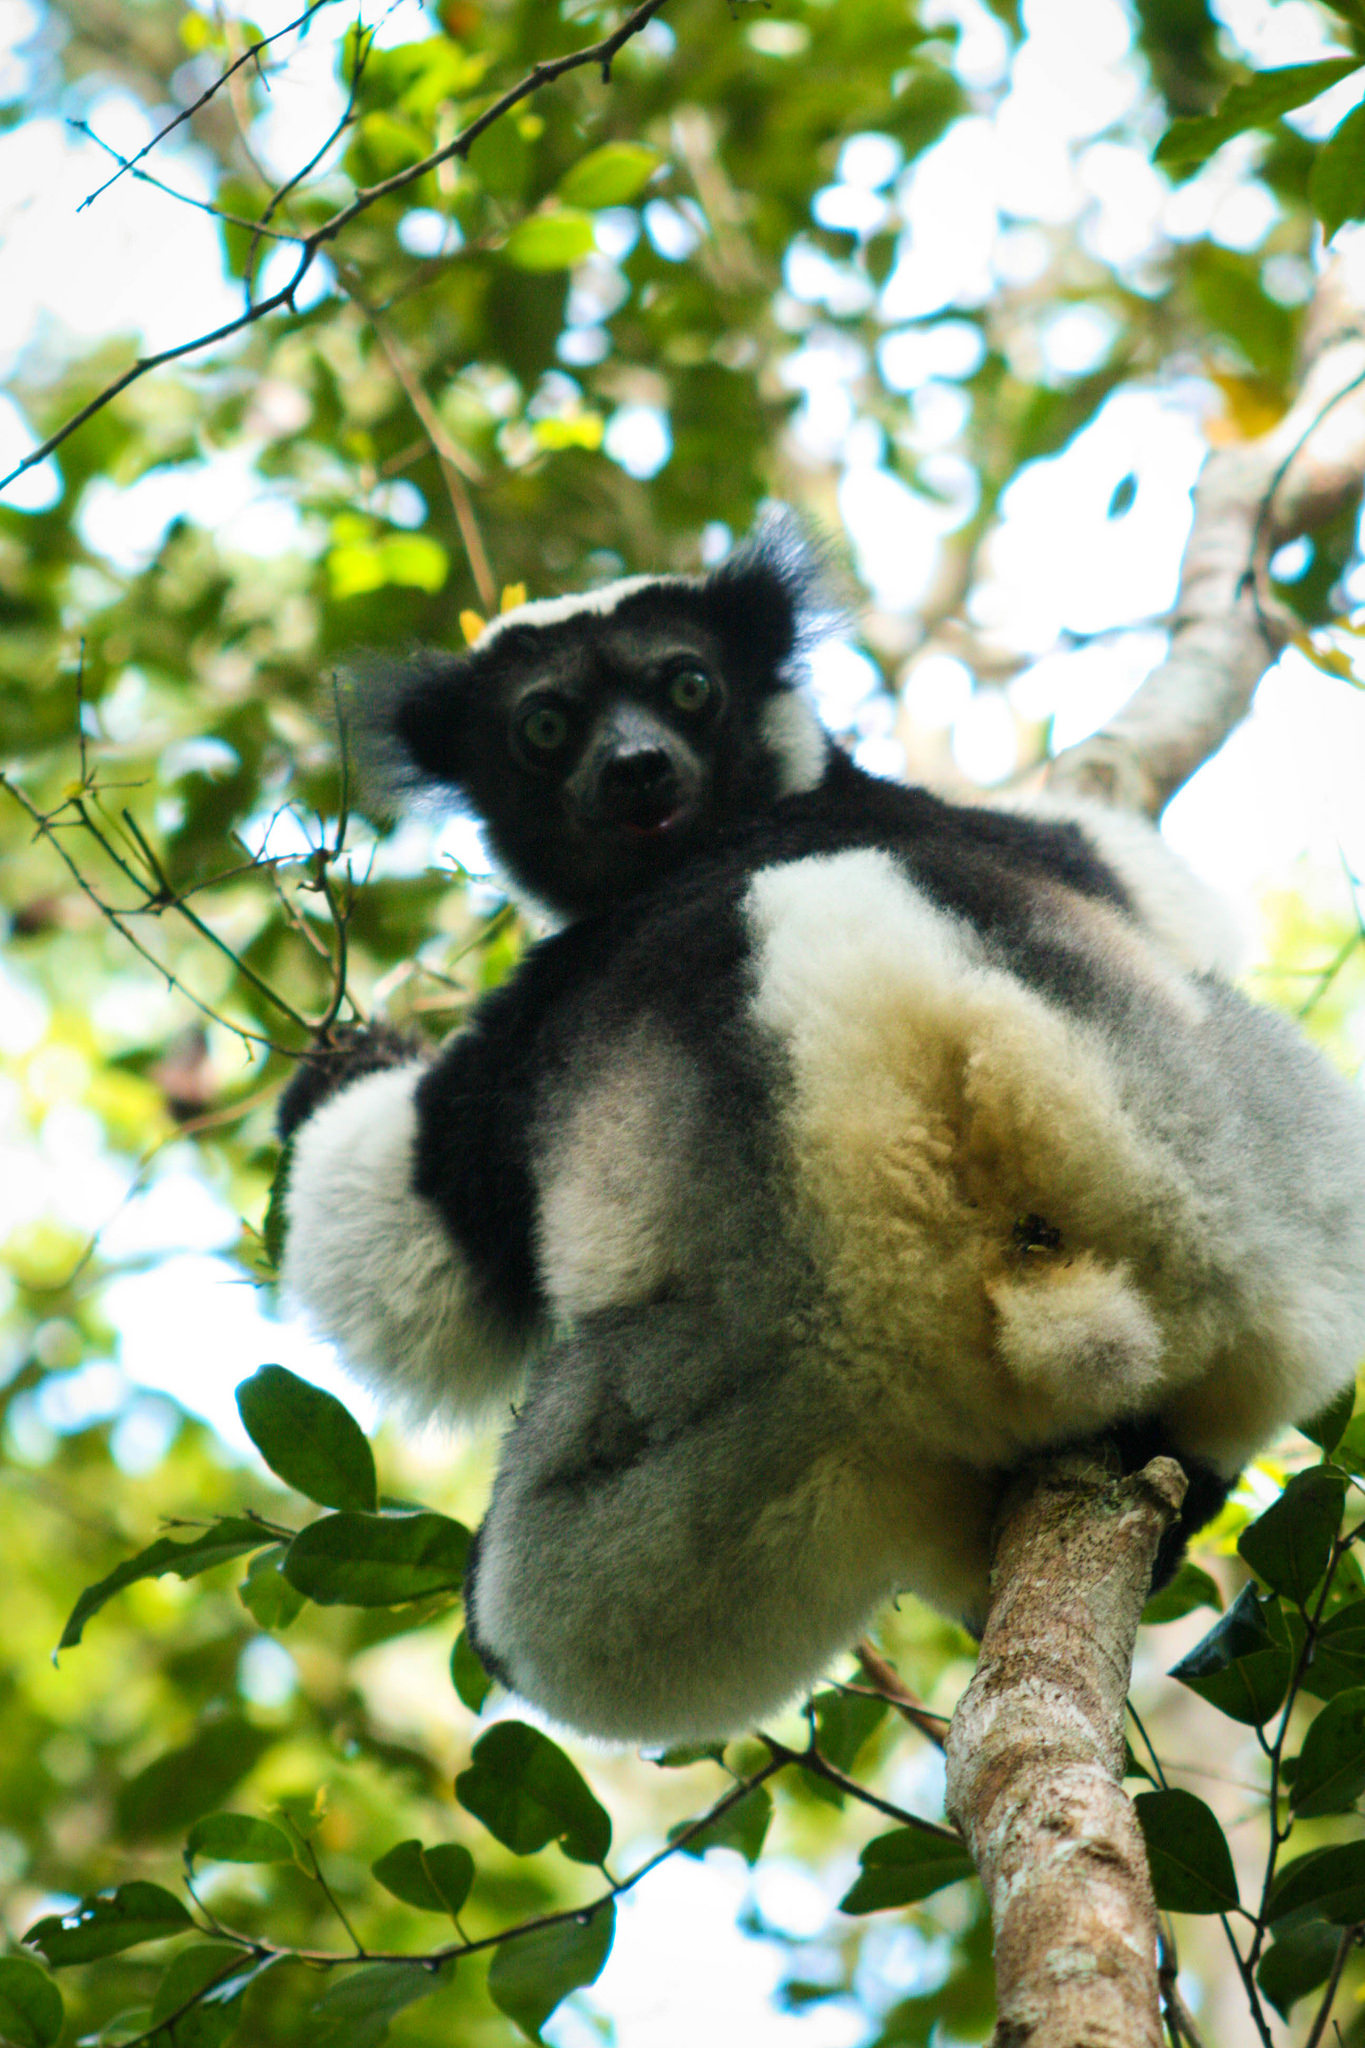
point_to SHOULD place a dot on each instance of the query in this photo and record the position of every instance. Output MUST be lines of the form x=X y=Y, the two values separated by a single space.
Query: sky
x=1282 y=798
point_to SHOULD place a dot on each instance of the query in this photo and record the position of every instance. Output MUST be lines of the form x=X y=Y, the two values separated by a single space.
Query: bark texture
x=1035 y=1759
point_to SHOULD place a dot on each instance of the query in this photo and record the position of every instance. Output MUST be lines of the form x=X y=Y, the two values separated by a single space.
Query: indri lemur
x=843 y=1149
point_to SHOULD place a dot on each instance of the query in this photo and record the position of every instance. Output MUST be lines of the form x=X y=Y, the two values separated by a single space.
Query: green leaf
x=1190 y=1860
x=532 y=1973
x=351 y=1560
x=903 y=1866
x=214 y=2020
x=743 y=1827
x=266 y=1593
x=471 y=1682
x=1330 y=1773
x=1326 y=1884
x=1329 y=1425
x=108 y=1923
x=1337 y=184
x=308 y=1439
x=31 y=2010
x=1338 y=1660
x=527 y=1793
x=550 y=241
x=238 y=1838
x=1298 y=1963
x=844 y=1721
x=1256 y=103
x=1239 y=1667
x=1350 y=1450
x=434 y=1880
x=356 y=2009
x=230 y=1537
x=178 y=1786
x=1189 y=1589
x=610 y=176
x=1290 y=1545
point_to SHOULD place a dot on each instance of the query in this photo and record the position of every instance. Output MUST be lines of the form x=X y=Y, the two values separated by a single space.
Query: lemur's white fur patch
x=552 y=611
x=613 y=1180
x=373 y=1264
x=797 y=741
x=937 y=1101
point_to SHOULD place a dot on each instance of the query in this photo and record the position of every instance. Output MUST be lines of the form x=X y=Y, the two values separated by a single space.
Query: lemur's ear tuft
x=407 y=723
x=772 y=597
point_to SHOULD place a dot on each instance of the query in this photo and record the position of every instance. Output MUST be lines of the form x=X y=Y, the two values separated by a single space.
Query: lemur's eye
x=544 y=727
x=691 y=689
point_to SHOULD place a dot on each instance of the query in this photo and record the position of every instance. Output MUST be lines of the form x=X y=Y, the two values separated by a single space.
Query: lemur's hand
x=352 y=1051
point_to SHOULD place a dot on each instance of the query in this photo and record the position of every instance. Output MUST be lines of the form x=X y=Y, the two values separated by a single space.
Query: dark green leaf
x=906 y=1865
x=109 y=1922
x=1297 y=1963
x=1326 y=1884
x=435 y=1880
x=238 y=1838
x=1256 y=103
x=844 y=1721
x=531 y=1973
x=266 y=1593
x=743 y=1827
x=1350 y=1450
x=1329 y=1426
x=1290 y=1545
x=1337 y=186
x=1338 y=1660
x=357 y=2007
x=309 y=1439
x=550 y=241
x=610 y=176
x=218 y=1970
x=471 y=1682
x=1190 y=1860
x=1330 y=1775
x=231 y=1537
x=1189 y=1589
x=527 y=1793
x=451 y=1869
x=181 y=1784
x=31 y=2012
x=1239 y=1666
x=351 y=1560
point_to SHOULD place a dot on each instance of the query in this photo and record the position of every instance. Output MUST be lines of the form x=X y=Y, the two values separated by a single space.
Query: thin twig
x=188 y=113
x=540 y=75
x=451 y=459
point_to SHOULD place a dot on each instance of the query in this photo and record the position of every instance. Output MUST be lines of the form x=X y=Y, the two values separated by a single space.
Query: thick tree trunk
x=1035 y=1759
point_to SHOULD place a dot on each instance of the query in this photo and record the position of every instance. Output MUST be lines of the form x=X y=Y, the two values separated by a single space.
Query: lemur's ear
x=769 y=600
x=410 y=722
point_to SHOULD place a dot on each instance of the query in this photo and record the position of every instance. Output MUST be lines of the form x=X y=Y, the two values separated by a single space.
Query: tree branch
x=1035 y=1759
x=600 y=53
x=1226 y=631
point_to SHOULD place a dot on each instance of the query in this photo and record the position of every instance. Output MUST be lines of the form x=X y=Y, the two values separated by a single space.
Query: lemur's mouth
x=651 y=819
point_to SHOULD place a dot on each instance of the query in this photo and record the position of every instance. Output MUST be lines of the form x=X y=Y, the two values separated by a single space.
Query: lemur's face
x=605 y=739
x=603 y=751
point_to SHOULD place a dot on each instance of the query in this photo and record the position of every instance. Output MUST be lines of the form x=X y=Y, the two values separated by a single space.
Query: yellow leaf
x=471 y=625
x=513 y=594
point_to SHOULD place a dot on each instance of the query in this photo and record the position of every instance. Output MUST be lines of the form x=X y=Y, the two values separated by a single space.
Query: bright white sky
x=1285 y=791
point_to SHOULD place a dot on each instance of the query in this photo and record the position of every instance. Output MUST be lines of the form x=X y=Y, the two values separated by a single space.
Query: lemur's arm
x=380 y=1268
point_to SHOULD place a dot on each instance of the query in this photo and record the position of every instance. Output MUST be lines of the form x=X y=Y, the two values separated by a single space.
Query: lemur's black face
x=605 y=740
